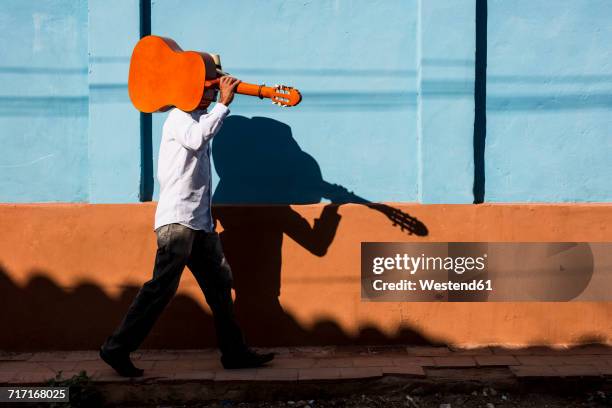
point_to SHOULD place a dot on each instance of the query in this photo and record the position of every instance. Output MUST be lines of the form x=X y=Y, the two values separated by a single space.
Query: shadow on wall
x=44 y=316
x=259 y=162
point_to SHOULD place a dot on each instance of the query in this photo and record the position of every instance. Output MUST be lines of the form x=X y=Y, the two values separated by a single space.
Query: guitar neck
x=280 y=95
x=260 y=91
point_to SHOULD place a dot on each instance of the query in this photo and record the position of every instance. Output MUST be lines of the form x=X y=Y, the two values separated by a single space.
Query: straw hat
x=217 y=59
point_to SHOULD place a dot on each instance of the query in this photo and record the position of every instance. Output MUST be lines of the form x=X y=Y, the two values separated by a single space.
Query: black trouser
x=201 y=251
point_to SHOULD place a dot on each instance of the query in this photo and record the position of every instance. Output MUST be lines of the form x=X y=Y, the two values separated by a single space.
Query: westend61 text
x=430 y=284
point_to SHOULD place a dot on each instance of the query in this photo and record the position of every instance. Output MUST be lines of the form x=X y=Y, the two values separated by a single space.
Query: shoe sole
x=107 y=360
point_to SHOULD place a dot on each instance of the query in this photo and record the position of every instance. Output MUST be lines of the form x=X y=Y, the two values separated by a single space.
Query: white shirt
x=183 y=168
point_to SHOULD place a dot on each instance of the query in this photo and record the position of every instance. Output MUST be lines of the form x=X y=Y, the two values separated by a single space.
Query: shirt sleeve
x=193 y=135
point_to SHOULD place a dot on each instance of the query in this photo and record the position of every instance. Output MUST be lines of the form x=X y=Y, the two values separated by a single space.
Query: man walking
x=186 y=237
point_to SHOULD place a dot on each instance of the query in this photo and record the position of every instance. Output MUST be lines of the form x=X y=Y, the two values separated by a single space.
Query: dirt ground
x=486 y=398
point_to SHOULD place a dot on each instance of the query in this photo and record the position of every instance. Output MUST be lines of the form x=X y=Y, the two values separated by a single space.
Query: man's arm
x=196 y=134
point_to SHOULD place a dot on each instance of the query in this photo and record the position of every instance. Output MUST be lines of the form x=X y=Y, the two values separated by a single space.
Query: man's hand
x=227 y=87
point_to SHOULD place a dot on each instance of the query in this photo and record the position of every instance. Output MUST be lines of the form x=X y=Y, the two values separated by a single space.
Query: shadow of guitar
x=340 y=195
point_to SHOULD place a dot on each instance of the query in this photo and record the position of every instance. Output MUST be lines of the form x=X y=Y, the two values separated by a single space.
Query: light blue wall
x=549 y=101
x=353 y=61
x=43 y=101
x=446 y=101
x=114 y=124
x=388 y=109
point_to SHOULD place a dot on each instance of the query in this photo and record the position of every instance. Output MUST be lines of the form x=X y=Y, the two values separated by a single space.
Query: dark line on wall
x=480 y=102
x=146 y=122
x=145 y=18
x=146 y=152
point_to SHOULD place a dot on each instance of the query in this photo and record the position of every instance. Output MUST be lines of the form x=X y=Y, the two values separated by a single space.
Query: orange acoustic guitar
x=162 y=75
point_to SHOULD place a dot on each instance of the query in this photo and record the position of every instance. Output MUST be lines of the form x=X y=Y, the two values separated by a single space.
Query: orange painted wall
x=69 y=271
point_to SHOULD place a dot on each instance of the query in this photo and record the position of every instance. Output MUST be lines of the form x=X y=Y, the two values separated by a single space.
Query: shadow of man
x=259 y=162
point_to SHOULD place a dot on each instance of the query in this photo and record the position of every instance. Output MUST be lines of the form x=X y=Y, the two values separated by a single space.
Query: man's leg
x=214 y=275
x=174 y=244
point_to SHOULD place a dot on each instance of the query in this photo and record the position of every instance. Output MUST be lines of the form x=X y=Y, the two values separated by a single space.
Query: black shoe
x=245 y=359
x=121 y=363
